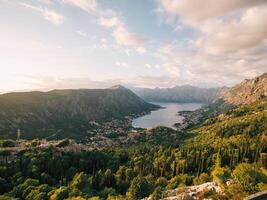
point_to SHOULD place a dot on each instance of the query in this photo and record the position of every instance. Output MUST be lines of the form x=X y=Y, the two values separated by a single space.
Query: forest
x=236 y=152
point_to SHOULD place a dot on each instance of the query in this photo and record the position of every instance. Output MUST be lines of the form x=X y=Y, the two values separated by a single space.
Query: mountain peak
x=117 y=87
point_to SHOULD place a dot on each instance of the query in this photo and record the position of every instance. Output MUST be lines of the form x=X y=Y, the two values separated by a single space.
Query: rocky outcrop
x=190 y=192
x=247 y=91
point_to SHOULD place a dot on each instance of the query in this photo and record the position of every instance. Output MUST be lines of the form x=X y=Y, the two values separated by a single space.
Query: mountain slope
x=184 y=93
x=244 y=123
x=247 y=91
x=44 y=113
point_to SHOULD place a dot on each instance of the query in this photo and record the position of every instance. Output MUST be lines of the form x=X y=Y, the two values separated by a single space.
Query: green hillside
x=231 y=146
x=68 y=112
x=228 y=149
x=245 y=123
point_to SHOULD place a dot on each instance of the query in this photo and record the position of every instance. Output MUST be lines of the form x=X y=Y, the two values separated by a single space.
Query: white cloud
x=121 y=64
x=120 y=33
x=194 y=11
x=123 y=37
x=149 y=66
x=49 y=15
x=220 y=69
x=103 y=40
x=235 y=35
x=86 y=5
x=230 y=40
x=81 y=33
x=173 y=69
x=127 y=52
x=141 y=50
x=109 y=22
x=108 y=18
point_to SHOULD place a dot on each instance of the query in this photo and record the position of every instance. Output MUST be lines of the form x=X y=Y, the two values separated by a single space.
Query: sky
x=48 y=44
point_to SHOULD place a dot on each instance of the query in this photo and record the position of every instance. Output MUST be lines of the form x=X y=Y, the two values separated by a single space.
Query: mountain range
x=69 y=111
x=181 y=94
x=245 y=92
x=44 y=113
x=228 y=148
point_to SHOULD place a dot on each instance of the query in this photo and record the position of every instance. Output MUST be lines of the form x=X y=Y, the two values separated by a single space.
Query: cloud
x=151 y=81
x=109 y=22
x=235 y=35
x=49 y=15
x=108 y=18
x=86 y=5
x=141 y=50
x=229 y=42
x=121 y=64
x=214 y=69
x=103 y=43
x=173 y=69
x=149 y=66
x=46 y=83
x=123 y=37
x=81 y=33
x=193 y=12
x=119 y=31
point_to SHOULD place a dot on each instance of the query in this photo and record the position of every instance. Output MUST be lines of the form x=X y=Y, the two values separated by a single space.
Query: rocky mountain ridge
x=247 y=91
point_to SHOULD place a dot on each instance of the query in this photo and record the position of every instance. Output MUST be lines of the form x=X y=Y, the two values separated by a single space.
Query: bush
x=221 y=174
x=161 y=182
x=59 y=194
x=248 y=176
x=7 y=143
x=202 y=178
x=139 y=189
x=157 y=194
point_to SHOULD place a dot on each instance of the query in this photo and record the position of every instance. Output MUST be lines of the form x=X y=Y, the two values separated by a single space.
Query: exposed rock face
x=247 y=91
x=190 y=192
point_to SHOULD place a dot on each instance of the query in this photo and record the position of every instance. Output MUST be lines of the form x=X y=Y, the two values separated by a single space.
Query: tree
x=111 y=197
x=40 y=193
x=94 y=198
x=248 y=176
x=139 y=189
x=161 y=182
x=202 y=178
x=22 y=190
x=221 y=174
x=4 y=186
x=109 y=179
x=157 y=194
x=59 y=194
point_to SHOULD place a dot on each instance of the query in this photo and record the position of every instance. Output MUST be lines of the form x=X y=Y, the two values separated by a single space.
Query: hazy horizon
x=71 y=44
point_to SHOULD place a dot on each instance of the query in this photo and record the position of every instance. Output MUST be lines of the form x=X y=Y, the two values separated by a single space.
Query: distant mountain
x=44 y=113
x=244 y=93
x=247 y=91
x=183 y=94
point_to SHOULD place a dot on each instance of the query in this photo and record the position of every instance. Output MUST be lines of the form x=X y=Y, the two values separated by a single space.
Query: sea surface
x=167 y=116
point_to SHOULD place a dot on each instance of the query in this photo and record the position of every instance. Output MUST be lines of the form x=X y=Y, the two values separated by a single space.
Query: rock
x=247 y=91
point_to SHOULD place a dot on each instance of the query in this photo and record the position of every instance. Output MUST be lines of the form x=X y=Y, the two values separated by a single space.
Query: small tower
x=18 y=134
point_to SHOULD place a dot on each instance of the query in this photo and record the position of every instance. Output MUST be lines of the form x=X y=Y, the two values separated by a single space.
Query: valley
x=167 y=116
x=133 y=100
x=216 y=151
